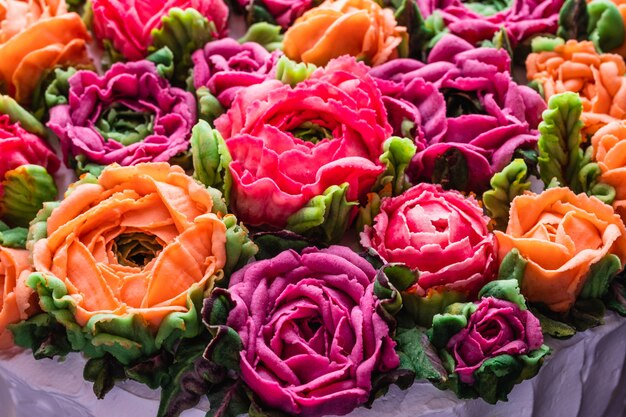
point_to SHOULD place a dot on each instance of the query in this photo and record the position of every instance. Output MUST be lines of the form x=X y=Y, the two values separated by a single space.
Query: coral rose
x=578 y=67
x=360 y=28
x=15 y=296
x=116 y=244
x=35 y=37
x=561 y=235
x=609 y=147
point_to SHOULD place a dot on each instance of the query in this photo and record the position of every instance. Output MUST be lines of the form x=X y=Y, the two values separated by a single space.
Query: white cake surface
x=585 y=376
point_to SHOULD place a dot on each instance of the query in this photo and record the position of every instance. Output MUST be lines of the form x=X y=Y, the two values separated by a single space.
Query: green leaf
x=17 y=114
x=270 y=244
x=616 y=297
x=560 y=155
x=573 y=20
x=211 y=158
x=225 y=347
x=13 y=237
x=39 y=225
x=291 y=72
x=453 y=320
x=451 y=170
x=545 y=44
x=26 y=188
x=606 y=26
x=513 y=266
x=505 y=186
x=409 y=16
x=397 y=155
x=600 y=276
x=265 y=34
x=507 y=290
x=386 y=290
x=228 y=400
x=418 y=355
x=368 y=212
x=435 y=28
x=239 y=247
x=325 y=217
x=553 y=327
x=57 y=92
x=587 y=313
x=423 y=309
x=104 y=373
x=43 y=335
x=164 y=60
x=209 y=107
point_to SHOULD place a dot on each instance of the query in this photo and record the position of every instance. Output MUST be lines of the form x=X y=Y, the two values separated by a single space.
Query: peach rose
x=561 y=235
x=577 y=67
x=135 y=242
x=15 y=298
x=36 y=36
x=360 y=28
x=609 y=148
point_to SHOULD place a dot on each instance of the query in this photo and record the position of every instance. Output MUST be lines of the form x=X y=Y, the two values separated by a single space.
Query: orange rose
x=135 y=242
x=35 y=36
x=15 y=299
x=609 y=147
x=360 y=28
x=577 y=67
x=561 y=235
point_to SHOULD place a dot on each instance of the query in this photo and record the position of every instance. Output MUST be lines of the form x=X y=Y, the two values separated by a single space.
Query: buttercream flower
x=599 y=79
x=311 y=333
x=360 y=28
x=25 y=166
x=284 y=12
x=225 y=66
x=128 y=115
x=129 y=25
x=562 y=236
x=609 y=147
x=289 y=145
x=15 y=298
x=115 y=244
x=35 y=37
x=464 y=111
x=441 y=233
x=479 y=21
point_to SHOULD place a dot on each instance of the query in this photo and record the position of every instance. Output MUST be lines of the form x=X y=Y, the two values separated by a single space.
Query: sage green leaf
x=83 y=166
x=270 y=244
x=390 y=280
x=265 y=34
x=43 y=335
x=258 y=13
x=545 y=44
x=26 y=188
x=239 y=247
x=573 y=20
x=505 y=186
x=507 y=290
x=606 y=26
x=216 y=308
x=500 y=40
x=397 y=154
x=211 y=158
x=600 y=276
x=39 y=225
x=164 y=60
x=325 y=217
x=57 y=92
x=418 y=355
x=513 y=266
x=292 y=72
x=560 y=155
x=435 y=28
x=454 y=318
x=182 y=325
x=553 y=327
x=423 y=309
x=489 y=7
x=368 y=212
x=17 y=114
x=13 y=237
x=603 y=192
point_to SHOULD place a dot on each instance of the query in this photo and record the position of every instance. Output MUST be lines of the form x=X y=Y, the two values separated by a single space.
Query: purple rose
x=225 y=66
x=464 y=100
x=497 y=327
x=284 y=12
x=476 y=21
x=128 y=115
x=310 y=331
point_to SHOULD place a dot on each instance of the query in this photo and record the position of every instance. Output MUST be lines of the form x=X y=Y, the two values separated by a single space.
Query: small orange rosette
x=36 y=36
x=599 y=79
x=360 y=28
x=16 y=303
x=609 y=151
x=561 y=235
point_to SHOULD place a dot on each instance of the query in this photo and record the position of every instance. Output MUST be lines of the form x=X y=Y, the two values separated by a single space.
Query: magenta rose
x=284 y=12
x=128 y=24
x=441 y=233
x=479 y=21
x=497 y=327
x=289 y=145
x=225 y=66
x=126 y=116
x=311 y=334
x=464 y=111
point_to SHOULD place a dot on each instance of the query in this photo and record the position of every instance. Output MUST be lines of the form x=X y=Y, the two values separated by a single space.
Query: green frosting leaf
x=397 y=154
x=573 y=20
x=512 y=267
x=43 y=335
x=164 y=60
x=265 y=34
x=13 y=237
x=616 y=297
x=368 y=212
x=409 y=16
x=606 y=26
x=104 y=373
x=183 y=32
x=553 y=327
x=270 y=244
x=57 y=91
x=454 y=318
x=26 y=188
x=209 y=107
x=325 y=217
x=560 y=156
x=239 y=247
x=600 y=276
x=258 y=13
x=211 y=158
x=18 y=114
x=229 y=400
x=436 y=28
x=418 y=355
x=451 y=170
x=489 y=7
x=500 y=40
x=505 y=186
x=39 y=225
x=423 y=309
x=291 y=72
x=390 y=280
x=507 y=290
x=587 y=313
x=545 y=44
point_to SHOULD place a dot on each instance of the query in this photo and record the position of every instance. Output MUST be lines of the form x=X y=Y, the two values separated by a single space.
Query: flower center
x=488 y=7
x=312 y=132
x=136 y=249
x=460 y=102
x=124 y=125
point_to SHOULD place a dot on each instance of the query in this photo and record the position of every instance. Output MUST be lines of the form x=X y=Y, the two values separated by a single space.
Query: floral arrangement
x=352 y=195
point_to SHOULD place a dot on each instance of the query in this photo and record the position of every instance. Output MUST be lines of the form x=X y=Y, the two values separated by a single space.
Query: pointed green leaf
x=505 y=186
x=211 y=158
x=397 y=155
x=291 y=72
x=600 y=276
x=13 y=237
x=265 y=34
x=26 y=188
x=18 y=114
x=513 y=266
x=573 y=20
x=507 y=290
x=418 y=355
x=606 y=26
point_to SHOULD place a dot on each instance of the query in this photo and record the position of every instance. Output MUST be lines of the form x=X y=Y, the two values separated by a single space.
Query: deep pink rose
x=225 y=66
x=464 y=100
x=522 y=20
x=311 y=335
x=128 y=24
x=497 y=327
x=289 y=145
x=128 y=115
x=441 y=233
x=284 y=12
